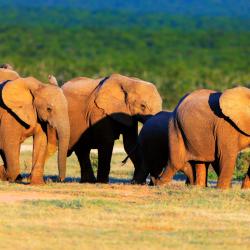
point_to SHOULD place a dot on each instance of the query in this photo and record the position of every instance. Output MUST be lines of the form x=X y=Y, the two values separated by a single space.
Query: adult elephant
x=102 y=109
x=210 y=126
x=30 y=108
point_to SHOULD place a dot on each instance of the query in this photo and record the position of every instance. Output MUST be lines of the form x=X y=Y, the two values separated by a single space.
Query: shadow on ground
x=179 y=177
x=112 y=180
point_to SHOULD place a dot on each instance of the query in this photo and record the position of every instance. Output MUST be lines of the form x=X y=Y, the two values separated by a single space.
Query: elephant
x=209 y=127
x=152 y=149
x=102 y=109
x=29 y=107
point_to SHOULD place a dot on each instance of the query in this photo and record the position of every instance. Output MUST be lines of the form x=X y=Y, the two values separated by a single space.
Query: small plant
x=242 y=165
x=94 y=161
x=65 y=204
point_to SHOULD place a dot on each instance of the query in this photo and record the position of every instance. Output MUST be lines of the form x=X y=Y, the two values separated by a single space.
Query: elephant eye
x=143 y=107
x=49 y=109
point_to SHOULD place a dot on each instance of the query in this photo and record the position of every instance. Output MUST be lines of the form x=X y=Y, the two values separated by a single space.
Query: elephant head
x=32 y=101
x=123 y=97
x=235 y=104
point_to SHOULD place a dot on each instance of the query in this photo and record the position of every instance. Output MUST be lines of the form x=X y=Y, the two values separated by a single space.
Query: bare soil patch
x=15 y=196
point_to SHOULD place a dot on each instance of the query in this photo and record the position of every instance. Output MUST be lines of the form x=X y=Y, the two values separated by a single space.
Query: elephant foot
x=133 y=182
x=246 y=182
x=151 y=183
x=200 y=185
x=187 y=182
x=88 y=180
x=159 y=181
x=223 y=185
x=166 y=176
x=37 y=181
x=16 y=179
x=3 y=174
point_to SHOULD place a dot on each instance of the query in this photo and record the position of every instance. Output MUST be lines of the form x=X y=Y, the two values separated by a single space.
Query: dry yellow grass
x=121 y=216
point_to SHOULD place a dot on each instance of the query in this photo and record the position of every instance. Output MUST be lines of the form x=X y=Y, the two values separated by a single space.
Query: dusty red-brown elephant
x=210 y=126
x=30 y=108
x=102 y=109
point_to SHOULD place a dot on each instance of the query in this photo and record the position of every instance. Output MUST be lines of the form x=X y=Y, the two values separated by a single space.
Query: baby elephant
x=152 y=149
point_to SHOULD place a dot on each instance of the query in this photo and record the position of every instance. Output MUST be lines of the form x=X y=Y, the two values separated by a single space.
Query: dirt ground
x=16 y=196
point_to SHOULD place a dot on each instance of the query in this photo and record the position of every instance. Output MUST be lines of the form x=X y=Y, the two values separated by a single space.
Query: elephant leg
x=141 y=174
x=12 y=153
x=87 y=174
x=188 y=171
x=201 y=174
x=216 y=167
x=11 y=159
x=206 y=179
x=227 y=165
x=104 y=159
x=141 y=171
x=3 y=173
x=11 y=132
x=39 y=155
x=246 y=181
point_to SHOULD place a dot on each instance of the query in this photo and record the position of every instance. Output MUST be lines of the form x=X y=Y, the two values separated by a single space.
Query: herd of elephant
x=206 y=127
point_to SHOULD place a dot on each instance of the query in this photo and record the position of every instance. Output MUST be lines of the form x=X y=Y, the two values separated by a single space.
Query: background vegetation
x=177 y=49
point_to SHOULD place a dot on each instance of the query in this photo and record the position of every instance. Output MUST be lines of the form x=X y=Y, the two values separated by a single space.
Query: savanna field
x=179 y=51
x=120 y=215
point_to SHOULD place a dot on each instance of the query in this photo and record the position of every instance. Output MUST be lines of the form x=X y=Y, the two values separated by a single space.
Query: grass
x=121 y=216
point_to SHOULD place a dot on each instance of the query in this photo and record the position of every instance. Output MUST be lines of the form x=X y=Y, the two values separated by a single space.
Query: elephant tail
x=124 y=161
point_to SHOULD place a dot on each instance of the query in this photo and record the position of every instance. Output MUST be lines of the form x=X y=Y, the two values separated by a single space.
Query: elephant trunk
x=63 y=133
x=144 y=118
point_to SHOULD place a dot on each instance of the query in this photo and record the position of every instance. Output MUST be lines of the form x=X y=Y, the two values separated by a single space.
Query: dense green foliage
x=233 y=8
x=177 y=53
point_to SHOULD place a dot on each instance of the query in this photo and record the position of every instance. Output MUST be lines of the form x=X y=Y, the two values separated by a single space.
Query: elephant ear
x=112 y=99
x=52 y=141
x=235 y=104
x=17 y=97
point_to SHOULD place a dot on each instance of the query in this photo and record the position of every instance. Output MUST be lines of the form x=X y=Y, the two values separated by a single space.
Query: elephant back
x=80 y=86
